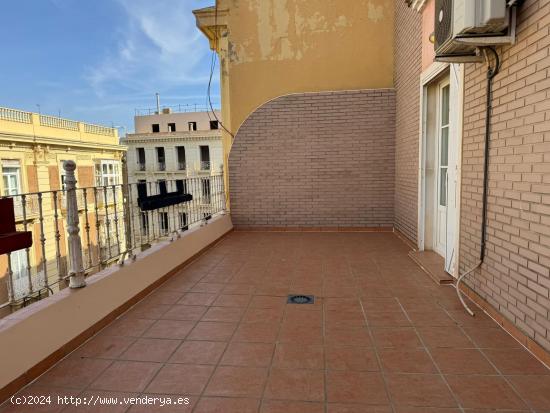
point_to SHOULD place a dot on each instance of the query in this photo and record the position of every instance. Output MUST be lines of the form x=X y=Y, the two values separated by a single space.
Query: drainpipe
x=492 y=71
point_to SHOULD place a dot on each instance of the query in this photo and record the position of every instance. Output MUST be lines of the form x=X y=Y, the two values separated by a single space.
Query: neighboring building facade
x=173 y=146
x=328 y=131
x=33 y=148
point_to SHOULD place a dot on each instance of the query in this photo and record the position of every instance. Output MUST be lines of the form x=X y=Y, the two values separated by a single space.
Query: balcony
x=205 y=166
x=182 y=165
x=111 y=227
x=141 y=166
x=161 y=166
x=219 y=331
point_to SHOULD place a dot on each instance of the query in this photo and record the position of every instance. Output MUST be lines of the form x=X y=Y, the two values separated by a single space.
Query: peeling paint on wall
x=375 y=13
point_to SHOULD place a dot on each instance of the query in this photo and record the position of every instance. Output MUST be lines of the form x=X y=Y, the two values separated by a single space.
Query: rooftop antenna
x=158 y=103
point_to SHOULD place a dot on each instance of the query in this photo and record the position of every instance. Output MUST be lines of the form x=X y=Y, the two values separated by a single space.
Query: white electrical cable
x=458 y=288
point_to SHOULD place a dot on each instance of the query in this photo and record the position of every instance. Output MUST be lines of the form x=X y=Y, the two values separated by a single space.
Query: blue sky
x=98 y=60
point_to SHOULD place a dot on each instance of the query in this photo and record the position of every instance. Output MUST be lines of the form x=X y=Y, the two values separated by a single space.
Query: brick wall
x=407 y=69
x=316 y=160
x=515 y=278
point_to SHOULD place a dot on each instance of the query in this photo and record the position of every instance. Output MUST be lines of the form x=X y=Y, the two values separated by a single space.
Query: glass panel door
x=443 y=127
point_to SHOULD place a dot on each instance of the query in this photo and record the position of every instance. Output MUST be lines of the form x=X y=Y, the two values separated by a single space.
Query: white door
x=442 y=182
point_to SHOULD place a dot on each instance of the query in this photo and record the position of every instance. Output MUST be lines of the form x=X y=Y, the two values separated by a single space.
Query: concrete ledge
x=34 y=338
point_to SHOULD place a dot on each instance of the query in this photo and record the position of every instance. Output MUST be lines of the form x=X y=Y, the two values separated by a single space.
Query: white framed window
x=11 y=177
x=107 y=172
x=18 y=261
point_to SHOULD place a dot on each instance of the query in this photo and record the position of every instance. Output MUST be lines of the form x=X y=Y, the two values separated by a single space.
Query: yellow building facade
x=33 y=148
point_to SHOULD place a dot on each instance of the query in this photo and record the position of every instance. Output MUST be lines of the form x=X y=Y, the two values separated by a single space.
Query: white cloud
x=158 y=48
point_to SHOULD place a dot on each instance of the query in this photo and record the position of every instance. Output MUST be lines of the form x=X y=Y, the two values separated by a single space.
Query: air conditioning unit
x=463 y=25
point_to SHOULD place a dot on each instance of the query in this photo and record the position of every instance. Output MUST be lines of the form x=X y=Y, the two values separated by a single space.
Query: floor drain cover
x=300 y=299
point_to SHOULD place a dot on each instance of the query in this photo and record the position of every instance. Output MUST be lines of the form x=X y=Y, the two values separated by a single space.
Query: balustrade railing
x=60 y=123
x=79 y=231
x=14 y=115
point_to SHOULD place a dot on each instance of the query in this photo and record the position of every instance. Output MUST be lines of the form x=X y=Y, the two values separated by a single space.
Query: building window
x=214 y=124
x=141 y=158
x=11 y=176
x=107 y=172
x=18 y=262
x=192 y=126
x=161 y=186
x=171 y=127
x=183 y=221
x=180 y=152
x=155 y=127
x=163 y=222
x=205 y=158
x=161 y=159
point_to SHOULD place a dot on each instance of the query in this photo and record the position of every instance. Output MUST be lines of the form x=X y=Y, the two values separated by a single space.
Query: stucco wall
x=316 y=160
x=516 y=275
x=408 y=66
x=277 y=47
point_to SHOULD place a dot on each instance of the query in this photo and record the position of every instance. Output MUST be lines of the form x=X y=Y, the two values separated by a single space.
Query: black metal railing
x=112 y=227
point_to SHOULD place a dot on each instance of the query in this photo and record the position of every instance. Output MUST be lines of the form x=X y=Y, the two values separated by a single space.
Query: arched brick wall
x=316 y=160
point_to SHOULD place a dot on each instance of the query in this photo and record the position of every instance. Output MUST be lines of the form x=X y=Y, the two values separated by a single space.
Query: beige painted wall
x=271 y=48
x=278 y=47
x=143 y=124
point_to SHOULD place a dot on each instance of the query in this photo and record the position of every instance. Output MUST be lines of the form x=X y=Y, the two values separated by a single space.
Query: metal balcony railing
x=141 y=166
x=24 y=208
x=205 y=165
x=182 y=166
x=110 y=227
x=161 y=166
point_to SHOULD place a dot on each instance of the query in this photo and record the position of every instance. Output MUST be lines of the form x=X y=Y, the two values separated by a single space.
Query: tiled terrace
x=381 y=337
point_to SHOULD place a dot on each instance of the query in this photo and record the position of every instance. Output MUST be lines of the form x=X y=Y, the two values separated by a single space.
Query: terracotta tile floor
x=381 y=337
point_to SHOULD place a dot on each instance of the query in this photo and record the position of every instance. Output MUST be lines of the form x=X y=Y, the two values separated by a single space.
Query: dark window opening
x=171 y=127
x=205 y=157
x=183 y=221
x=181 y=157
x=192 y=126
x=161 y=159
x=155 y=127
x=161 y=186
x=163 y=222
x=214 y=124
x=141 y=158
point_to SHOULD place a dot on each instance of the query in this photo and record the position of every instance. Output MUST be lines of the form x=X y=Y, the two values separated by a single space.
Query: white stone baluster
x=76 y=267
